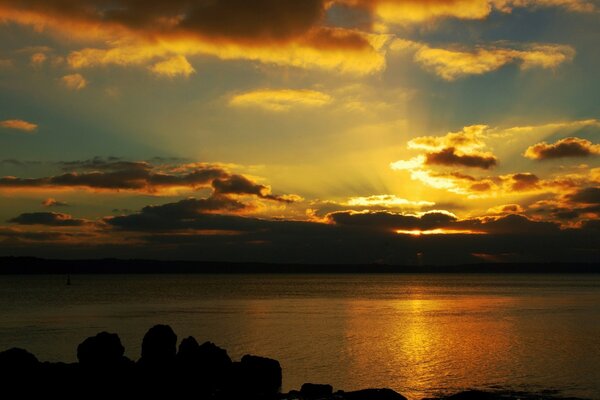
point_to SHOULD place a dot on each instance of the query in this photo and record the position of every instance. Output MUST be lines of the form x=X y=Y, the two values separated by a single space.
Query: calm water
x=418 y=334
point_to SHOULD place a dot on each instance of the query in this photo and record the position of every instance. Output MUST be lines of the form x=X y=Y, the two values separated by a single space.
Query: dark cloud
x=239 y=20
x=523 y=182
x=589 y=195
x=568 y=147
x=190 y=208
x=47 y=218
x=509 y=225
x=449 y=156
x=13 y=235
x=389 y=220
x=237 y=184
x=142 y=176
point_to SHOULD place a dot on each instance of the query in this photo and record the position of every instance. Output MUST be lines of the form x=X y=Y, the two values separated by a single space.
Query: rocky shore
x=192 y=371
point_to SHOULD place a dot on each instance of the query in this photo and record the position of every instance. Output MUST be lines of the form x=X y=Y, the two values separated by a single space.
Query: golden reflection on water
x=429 y=344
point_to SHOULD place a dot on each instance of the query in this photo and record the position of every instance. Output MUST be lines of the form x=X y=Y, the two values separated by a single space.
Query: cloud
x=589 y=195
x=37 y=59
x=74 y=81
x=567 y=147
x=143 y=177
x=470 y=138
x=463 y=148
x=386 y=200
x=419 y=11
x=47 y=218
x=173 y=67
x=119 y=175
x=441 y=156
x=50 y=202
x=391 y=220
x=18 y=124
x=280 y=99
x=270 y=31
x=450 y=157
x=451 y=64
x=507 y=209
x=238 y=184
x=523 y=182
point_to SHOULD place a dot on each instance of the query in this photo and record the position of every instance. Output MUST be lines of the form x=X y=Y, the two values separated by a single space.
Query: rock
x=316 y=391
x=260 y=375
x=208 y=354
x=207 y=365
x=159 y=346
x=374 y=394
x=16 y=359
x=103 y=350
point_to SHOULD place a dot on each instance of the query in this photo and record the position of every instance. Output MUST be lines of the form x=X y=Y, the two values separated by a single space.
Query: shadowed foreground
x=163 y=371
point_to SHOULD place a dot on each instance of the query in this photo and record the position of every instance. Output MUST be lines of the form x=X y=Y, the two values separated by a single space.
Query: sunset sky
x=333 y=131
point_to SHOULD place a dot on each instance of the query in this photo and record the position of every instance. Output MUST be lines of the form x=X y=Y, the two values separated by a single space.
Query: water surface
x=418 y=334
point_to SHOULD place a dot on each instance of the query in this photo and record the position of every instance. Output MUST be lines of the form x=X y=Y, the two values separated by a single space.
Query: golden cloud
x=567 y=147
x=418 y=11
x=74 y=81
x=437 y=166
x=280 y=99
x=270 y=31
x=173 y=67
x=387 y=200
x=450 y=64
x=18 y=124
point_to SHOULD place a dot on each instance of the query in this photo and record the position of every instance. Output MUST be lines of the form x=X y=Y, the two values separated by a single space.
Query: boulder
x=260 y=375
x=316 y=391
x=16 y=359
x=159 y=346
x=101 y=351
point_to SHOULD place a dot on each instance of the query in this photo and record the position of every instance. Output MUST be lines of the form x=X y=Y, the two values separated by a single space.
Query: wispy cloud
x=18 y=124
x=74 y=81
x=280 y=99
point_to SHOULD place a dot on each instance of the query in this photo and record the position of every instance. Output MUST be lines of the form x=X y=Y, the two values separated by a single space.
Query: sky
x=315 y=131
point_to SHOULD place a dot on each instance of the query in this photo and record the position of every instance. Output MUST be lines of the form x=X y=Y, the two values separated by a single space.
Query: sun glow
x=438 y=231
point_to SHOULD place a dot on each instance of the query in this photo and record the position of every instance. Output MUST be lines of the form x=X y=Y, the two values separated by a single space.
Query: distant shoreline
x=33 y=265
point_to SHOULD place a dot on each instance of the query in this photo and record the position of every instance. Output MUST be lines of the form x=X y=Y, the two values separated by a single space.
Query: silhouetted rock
x=206 y=357
x=260 y=375
x=159 y=346
x=207 y=367
x=316 y=391
x=17 y=359
x=103 y=350
x=374 y=394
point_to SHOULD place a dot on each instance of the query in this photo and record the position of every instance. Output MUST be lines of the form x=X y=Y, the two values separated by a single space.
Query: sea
x=422 y=335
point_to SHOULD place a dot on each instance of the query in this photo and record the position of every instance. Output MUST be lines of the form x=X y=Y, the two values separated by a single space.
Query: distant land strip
x=33 y=265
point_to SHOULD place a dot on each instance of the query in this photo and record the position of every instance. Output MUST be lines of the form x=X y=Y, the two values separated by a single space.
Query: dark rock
x=103 y=350
x=260 y=375
x=207 y=365
x=159 y=346
x=374 y=394
x=206 y=355
x=17 y=359
x=316 y=391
